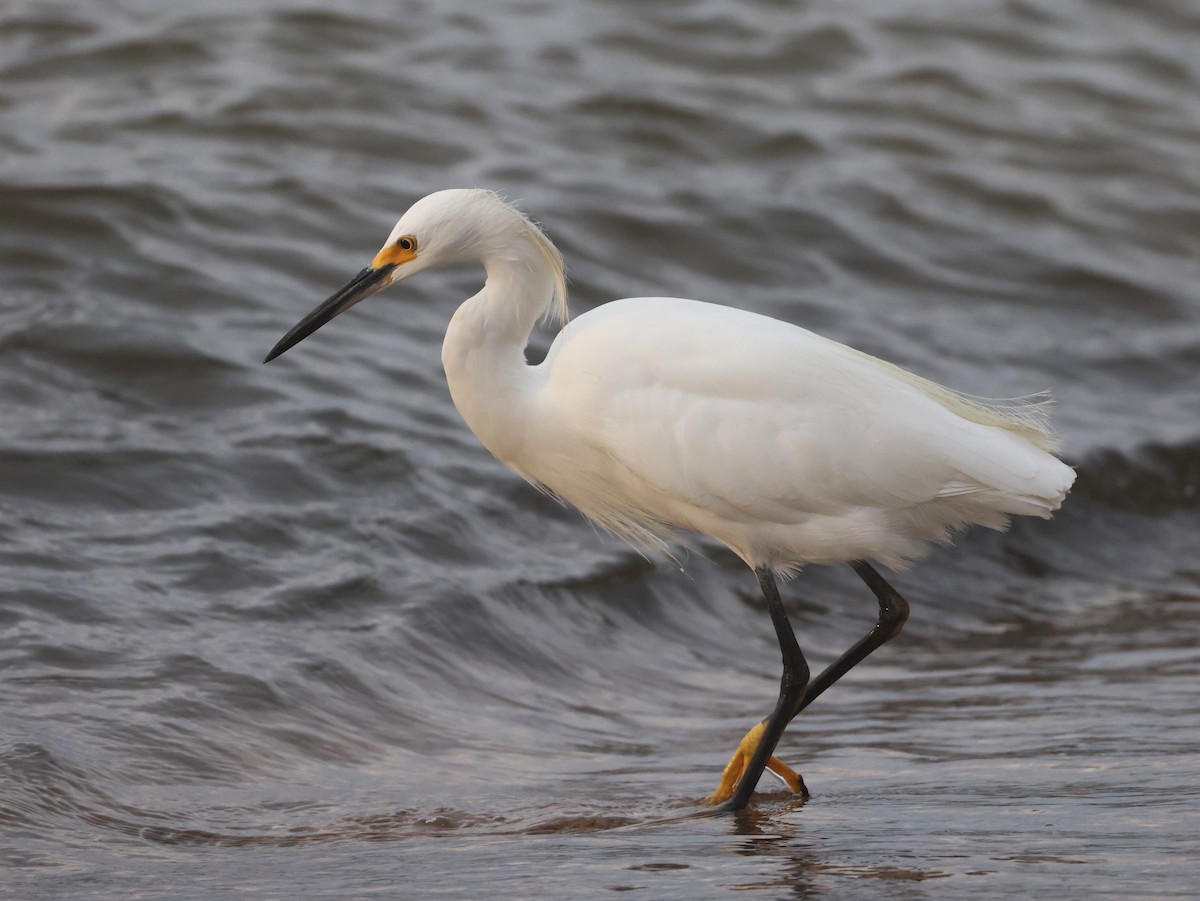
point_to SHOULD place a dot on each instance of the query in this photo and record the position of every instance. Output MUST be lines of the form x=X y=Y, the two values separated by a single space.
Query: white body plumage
x=655 y=414
x=652 y=415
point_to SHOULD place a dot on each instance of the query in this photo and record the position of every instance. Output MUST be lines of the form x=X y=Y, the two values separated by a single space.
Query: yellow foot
x=737 y=766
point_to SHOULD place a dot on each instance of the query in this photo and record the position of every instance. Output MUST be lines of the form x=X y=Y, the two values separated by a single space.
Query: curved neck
x=484 y=349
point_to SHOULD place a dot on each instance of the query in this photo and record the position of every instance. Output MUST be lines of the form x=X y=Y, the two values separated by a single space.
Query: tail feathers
x=1041 y=496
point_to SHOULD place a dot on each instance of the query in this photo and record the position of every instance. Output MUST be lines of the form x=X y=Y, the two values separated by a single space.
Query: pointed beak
x=359 y=288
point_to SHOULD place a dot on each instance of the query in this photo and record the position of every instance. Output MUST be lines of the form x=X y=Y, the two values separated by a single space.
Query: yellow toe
x=730 y=777
x=788 y=775
x=733 y=771
x=736 y=767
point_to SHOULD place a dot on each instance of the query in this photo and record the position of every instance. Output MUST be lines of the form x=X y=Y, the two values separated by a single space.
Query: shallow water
x=289 y=631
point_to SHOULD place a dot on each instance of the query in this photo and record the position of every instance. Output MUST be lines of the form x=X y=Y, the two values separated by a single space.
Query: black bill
x=359 y=288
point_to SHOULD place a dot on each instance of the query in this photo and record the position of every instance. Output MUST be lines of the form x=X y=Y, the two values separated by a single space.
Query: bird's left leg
x=893 y=613
x=754 y=753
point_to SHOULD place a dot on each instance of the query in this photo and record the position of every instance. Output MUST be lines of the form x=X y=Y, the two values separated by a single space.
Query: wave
x=1152 y=478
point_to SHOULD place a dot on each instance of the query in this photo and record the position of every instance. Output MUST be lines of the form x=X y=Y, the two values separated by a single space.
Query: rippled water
x=289 y=631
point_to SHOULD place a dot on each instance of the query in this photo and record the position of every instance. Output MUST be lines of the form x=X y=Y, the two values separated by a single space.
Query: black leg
x=893 y=612
x=791 y=692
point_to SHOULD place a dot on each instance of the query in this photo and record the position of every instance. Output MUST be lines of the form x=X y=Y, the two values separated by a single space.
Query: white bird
x=655 y=415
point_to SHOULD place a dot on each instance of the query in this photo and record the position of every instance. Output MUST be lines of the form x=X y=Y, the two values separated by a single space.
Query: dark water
x=288 y=631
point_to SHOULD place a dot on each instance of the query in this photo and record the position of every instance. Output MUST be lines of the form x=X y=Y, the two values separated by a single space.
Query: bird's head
x=446 y=227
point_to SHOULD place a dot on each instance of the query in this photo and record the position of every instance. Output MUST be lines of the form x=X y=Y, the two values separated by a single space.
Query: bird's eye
x=407 y=243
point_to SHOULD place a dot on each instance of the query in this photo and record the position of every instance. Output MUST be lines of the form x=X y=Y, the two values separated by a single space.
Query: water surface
x=290 y=631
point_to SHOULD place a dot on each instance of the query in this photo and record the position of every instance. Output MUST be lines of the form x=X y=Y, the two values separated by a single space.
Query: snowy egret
x=656 y=415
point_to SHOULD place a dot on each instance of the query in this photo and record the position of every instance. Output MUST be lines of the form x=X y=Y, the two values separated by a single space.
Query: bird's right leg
x=893 y=613
x=754 y=753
